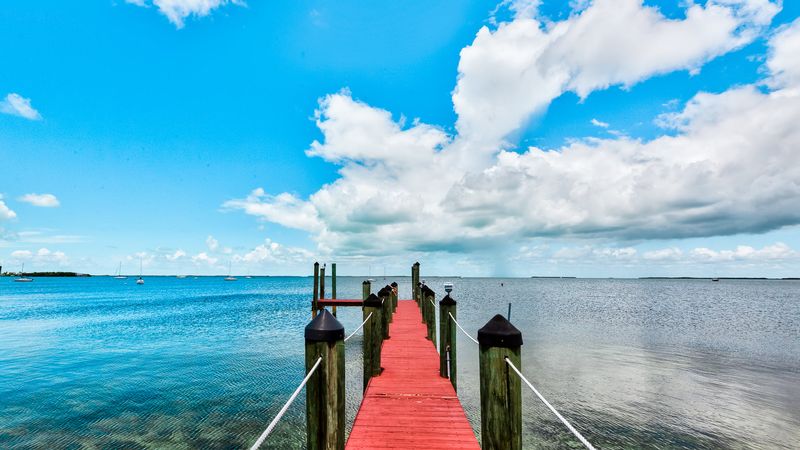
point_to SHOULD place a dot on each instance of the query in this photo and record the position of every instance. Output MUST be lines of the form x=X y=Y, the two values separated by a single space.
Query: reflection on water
x=200 y=363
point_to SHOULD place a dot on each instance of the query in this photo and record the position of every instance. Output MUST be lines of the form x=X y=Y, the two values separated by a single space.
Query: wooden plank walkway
x=409 y=406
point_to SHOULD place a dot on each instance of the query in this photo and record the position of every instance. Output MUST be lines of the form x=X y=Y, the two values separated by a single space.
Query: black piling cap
x=324 y=328
x=416 y=263
x=372 y=301
x=447 y=301
x=365 y=282
x=498 y=332
x=394 y=284
x=385 y=292
x=426 y=290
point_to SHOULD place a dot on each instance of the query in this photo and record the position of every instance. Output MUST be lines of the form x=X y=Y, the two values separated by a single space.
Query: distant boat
x=119 y=275
x=22 y=278
x=715 y=279
x=140 y=280
x=229 y=277
x=180 y=276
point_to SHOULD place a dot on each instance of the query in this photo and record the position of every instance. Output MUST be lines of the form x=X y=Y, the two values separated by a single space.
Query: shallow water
x=203 y=363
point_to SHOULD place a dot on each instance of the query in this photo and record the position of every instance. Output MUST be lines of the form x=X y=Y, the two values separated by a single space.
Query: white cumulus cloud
x=42 y=200
x=6 y=213
x=177 y=11
x=728 y=166
x=17 y=105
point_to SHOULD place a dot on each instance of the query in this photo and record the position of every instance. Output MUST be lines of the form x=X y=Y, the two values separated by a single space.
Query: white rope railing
x=285 y=407
x=544 y=400
x=359 y=327
x=462 y=330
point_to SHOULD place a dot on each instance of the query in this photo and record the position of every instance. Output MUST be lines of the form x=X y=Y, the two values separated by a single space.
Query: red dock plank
x=409 y=405
x=339 y=302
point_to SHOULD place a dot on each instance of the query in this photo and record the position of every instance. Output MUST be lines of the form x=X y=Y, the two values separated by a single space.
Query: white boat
x=229 y=277
x=140 y=280
x=180 y=276
x=22 y=278
x=119 y=275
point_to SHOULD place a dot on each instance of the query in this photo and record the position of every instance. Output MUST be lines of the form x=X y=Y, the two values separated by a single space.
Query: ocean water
x=203 y=363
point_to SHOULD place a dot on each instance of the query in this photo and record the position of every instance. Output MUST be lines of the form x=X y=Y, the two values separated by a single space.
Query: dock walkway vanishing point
x=409 y=405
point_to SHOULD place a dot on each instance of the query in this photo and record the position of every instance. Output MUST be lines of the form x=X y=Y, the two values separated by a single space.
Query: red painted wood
x=409 y=406
x=339 y=302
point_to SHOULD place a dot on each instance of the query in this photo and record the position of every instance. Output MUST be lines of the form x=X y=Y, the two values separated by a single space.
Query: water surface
x=203 y=363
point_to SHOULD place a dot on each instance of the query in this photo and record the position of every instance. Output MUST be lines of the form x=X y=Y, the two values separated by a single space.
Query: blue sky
x=385 y=133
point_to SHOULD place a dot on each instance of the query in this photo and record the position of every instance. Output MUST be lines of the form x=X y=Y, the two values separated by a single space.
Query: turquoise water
x=203 y=363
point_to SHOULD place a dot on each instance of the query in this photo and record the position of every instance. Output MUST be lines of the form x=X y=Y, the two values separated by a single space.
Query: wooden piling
x=447 y=340
x=429 y=312
x=386 y=310
x=316 y=291
x=394 y=296
x=501 y=394
x=333 y=286
x=415 y=281
x=373 y=337
x=322 y=281
x=325 y=391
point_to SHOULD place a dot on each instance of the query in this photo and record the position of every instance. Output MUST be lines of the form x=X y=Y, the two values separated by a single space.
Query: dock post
x=386 y=297
x=325 y=398
x=415 y=282
x=322 y=282
x=366 y=289
x=333 y=286
x=428 y=312
x=501 y=395
x=447 y=340
x=316 y=291
x=373 y=338
x=419 y=300
x=394 y=296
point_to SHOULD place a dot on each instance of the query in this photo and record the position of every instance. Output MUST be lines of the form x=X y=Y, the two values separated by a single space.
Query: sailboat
x=229 y=277
x=119 y=275
x=140 y=280
x=22 y=278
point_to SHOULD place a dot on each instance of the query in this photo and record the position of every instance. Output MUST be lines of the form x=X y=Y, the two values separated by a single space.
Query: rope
x=462 y=330
x=285 y=407
x=359 y=327
x=571 y=428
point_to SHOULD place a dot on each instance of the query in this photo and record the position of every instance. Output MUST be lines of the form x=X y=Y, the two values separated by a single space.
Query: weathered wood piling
x=447 y=340
x=501 y=390
x=325 y=398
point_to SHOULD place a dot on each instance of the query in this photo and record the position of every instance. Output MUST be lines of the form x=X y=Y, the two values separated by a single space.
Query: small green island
x=44 y=274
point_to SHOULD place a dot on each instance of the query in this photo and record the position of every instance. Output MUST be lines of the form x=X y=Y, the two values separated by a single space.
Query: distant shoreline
x=536 y=277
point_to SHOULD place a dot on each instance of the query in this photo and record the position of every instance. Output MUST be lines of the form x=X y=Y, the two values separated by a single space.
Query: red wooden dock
x=409 y=406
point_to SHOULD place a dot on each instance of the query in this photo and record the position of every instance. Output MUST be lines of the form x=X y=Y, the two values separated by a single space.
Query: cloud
x=5 y=212
x=43 y=255
x=41 y=237
x=727 y=166
x=17 y=105
x=273 y=252
x=776 y=252
x=783 y=62
x=203 y=258
x=600 y=124
x=42 y=200
x=212 y=243
x=177 y=11
x=178 y=254
x=663 y=254
x=511 y=73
